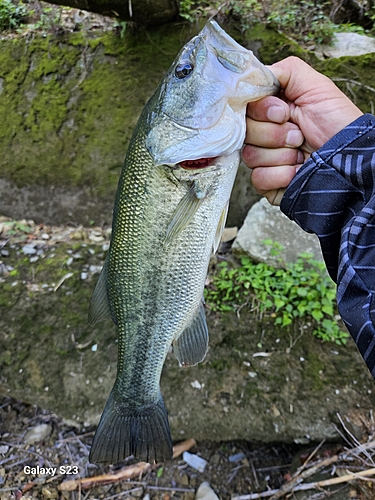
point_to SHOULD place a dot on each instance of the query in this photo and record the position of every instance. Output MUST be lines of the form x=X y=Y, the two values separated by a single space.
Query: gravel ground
x=43 y=457
x=39 y=452
x=31 y=437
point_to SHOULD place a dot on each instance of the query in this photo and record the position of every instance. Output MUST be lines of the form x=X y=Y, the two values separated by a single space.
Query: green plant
x=304 y=20
x=246 y=10
x=12 y=14
x=301 y=290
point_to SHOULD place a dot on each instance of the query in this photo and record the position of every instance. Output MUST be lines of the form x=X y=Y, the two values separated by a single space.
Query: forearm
x=333 y=196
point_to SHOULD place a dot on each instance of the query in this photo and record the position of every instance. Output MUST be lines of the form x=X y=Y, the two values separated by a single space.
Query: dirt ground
x=43 y=457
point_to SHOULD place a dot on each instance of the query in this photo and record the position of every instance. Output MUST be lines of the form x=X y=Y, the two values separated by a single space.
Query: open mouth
x=199 y=163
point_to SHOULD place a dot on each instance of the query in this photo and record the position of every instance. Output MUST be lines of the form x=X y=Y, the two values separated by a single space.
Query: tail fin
x=122 y=432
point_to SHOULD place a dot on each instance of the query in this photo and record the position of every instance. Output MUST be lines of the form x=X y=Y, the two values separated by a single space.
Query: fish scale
x=167 y=220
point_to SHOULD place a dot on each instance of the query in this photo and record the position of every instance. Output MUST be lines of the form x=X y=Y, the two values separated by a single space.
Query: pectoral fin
x=99 y=305
x=190 y=348
x=220 y=228
x=184 y=213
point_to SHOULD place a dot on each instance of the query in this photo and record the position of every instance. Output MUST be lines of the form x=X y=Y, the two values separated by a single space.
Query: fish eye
x=183 y=69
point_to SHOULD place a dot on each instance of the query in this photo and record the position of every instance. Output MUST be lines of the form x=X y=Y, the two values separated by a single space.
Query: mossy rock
x=258 y=382
x=69 y=104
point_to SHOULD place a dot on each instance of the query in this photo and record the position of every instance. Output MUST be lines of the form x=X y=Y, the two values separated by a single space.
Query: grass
x=306 y=21
x=298 y=291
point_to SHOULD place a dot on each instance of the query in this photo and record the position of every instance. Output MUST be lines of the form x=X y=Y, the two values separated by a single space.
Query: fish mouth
x=198 y=163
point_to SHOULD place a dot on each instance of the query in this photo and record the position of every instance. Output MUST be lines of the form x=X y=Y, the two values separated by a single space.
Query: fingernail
x=300 y=156
x=294 y=138
x=276 y=114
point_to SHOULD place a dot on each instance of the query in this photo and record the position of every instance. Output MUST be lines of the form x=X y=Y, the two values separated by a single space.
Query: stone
x=348 y=44
x=196 y=462
x=229 y=234
x=300 y=386
x=38 y=433
x=29 y=249
x=205 y=492
x=266 y=222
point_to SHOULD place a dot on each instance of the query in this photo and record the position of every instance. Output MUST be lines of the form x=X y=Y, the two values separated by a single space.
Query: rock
x=348 y=44
x=237 y=457
x=265 y=221
x=38 y=433
x=50 y=493
x=297 y=385
x=194 y=461
x=29 y=249
x=205 y=492
x=229 y=234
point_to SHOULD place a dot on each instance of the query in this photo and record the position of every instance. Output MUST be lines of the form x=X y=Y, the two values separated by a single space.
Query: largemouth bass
x=169 y=213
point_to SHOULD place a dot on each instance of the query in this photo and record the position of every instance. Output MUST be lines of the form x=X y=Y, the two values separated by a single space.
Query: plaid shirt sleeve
x=333 y=196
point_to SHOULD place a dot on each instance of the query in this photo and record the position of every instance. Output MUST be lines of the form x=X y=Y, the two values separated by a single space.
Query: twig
x=179 y=448
x=234 y=473
x=353 y=82
x=254 y=474
x=183 y=490
x=123 y=493
x=273 y=467
x=88 y=482
x=294 y=483
x=308 y=459
x=297 y=479
x=309 y=486
x=355 y=440
x=73 y=438
x=12 y=457
x=67 y=276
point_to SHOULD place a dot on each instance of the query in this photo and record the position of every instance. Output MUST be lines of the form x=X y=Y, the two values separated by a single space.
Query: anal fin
x=190 y=348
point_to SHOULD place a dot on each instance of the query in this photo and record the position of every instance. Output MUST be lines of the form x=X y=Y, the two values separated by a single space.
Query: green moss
x=6 y=358
x=312 y=373
x=70 y=104
x=220 y=364
x=351 y=74
x=274 y=45
x=354 y=77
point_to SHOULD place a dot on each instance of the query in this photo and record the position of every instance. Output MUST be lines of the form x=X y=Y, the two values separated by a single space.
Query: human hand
x=283 y=132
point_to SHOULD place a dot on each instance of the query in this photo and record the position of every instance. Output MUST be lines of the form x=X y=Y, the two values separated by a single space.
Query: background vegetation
x=301 y=291
x=309 y=22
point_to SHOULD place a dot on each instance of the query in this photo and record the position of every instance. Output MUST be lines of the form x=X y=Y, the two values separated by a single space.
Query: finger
x=270 y=108
x=265 y=179
x=275 y=196
x=271 y=135
x=288 y=72
x=263 y=157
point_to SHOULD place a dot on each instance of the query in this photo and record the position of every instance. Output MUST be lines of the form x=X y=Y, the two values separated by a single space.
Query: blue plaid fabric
x=333 y=196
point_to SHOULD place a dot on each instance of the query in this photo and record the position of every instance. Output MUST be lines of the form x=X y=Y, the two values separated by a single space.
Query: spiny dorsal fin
x=99 y=305
x=190 y=348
